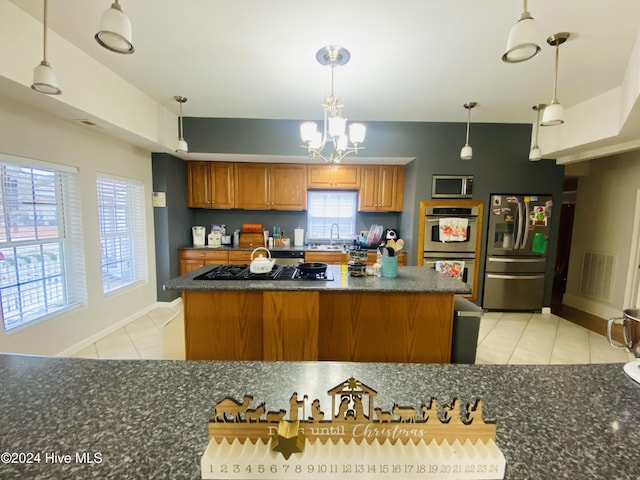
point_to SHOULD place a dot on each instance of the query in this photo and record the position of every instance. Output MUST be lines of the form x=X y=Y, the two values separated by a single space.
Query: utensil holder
x=389 y=267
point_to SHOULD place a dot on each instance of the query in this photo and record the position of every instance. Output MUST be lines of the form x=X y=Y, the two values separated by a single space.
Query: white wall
x=604 y=215
x=27 y=132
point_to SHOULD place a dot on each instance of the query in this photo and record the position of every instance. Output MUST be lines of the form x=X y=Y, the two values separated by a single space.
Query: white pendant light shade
x=44 y=79
x=523 y=39
x=553 y=115
x=181 y=146
x=535 y=154
x=466 y=153
x=115 y=30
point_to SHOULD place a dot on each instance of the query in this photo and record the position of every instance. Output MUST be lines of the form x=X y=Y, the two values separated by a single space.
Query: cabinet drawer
x=206 y=255
x=242 y=256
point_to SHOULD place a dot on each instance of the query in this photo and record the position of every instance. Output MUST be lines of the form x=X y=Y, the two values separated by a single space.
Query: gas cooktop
x=278 y=272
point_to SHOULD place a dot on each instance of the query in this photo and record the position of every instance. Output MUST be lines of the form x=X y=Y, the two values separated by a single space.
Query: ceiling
x=411 y=60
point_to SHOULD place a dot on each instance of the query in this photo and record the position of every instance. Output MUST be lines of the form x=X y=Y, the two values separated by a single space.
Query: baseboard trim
x=112 y=328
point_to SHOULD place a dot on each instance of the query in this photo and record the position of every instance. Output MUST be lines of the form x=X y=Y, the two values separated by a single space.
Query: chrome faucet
x=331 y=233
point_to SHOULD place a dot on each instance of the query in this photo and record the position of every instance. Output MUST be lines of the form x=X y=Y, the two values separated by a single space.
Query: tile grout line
x=518 y=341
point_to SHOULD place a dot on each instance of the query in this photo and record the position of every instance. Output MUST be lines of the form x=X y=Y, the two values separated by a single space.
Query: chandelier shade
x=44 y=78
x=554 y=113
x=334 y=130
x=115 y=30
x=522 y=43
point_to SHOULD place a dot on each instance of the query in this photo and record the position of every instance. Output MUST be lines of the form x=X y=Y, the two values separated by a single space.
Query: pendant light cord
x=555 y=81
x=44 y=46
x=181 y=128
x=468 y=122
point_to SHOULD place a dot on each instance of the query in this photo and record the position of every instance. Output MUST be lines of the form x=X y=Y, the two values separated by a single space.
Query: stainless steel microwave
x=452 y=186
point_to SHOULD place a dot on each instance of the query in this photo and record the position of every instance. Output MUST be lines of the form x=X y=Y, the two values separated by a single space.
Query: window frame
x=313 y=227
x=134 y=235
x=48 y=288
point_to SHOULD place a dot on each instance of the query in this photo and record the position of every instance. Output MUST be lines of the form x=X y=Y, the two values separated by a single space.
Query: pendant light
x=523 y=39
x=467 y=152
x=182 y=146
x=553 y=114
x=536 y=154
x=115 y=30
x=44 y=78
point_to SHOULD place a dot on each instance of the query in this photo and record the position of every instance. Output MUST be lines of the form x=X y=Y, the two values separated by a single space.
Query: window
x=122 y=232
x=41 y=248
x=326 y=208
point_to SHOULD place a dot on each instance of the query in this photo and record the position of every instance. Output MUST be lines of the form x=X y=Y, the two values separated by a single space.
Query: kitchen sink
x=326 y=247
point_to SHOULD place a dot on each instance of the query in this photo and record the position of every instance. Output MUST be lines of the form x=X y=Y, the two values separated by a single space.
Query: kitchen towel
x=453 y=268
x=453 y=229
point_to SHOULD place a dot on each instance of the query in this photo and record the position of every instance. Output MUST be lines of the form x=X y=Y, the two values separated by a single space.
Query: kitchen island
x=403 y=319
x=142 y=419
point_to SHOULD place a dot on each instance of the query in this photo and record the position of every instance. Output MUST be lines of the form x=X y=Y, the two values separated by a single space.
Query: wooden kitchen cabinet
x=210 y=185
x=192 y=259
x=333 y=177
x=263 y=186
x=381 y=188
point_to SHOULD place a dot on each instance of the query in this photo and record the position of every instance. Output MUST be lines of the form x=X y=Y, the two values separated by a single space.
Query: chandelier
x=335 y=124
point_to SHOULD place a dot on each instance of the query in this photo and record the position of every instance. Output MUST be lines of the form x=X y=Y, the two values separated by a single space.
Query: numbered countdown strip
x=342 y=461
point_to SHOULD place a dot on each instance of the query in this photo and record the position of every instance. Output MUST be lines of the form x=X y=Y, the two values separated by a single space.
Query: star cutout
x=290 y=439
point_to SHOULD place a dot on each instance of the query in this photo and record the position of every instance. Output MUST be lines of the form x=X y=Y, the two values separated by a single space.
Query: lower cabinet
x=192 y=259
x=333 y=258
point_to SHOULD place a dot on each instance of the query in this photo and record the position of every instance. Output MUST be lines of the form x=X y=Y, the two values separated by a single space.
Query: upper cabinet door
x=223 y=188
x=390 y=188
x=288 y=186
x=252 y=186
x=198 y=185
x=381 y=188
x=329 y=177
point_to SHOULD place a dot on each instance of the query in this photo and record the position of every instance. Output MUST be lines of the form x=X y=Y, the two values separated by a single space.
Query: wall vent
x=596 y=280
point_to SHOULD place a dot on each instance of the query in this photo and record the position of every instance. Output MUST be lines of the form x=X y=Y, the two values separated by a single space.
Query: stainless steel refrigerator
x=517 y=244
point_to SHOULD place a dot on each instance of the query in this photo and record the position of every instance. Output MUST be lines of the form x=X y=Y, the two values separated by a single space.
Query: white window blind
x=122 y=232
x=41 y=248
x=324 y=208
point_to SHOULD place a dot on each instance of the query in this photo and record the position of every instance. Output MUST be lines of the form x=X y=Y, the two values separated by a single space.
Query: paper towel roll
x=298 y=237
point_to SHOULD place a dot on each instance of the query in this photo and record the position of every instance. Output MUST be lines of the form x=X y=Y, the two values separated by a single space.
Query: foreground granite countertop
x=148 y=419
x=410 y=279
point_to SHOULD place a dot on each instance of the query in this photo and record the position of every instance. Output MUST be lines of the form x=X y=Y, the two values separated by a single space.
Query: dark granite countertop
x=148 y=419
x=410 y=279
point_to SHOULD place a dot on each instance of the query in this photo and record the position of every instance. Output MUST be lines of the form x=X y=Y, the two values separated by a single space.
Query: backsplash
x=287 y=221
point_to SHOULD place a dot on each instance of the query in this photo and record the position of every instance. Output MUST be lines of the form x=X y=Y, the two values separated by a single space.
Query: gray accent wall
x=500 y=165
x=173 y=222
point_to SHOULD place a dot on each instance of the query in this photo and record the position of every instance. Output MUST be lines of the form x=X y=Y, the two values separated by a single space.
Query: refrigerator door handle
x=516 y=244
x=514 y=277
x=524 y=225
x=515 y=260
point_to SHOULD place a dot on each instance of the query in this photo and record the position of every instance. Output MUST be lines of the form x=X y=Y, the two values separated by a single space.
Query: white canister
x=215 y=240
x=198 y=233
x=298 y=237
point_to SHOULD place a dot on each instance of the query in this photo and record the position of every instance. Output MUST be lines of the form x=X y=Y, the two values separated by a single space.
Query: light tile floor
x=504 y=338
